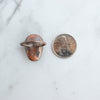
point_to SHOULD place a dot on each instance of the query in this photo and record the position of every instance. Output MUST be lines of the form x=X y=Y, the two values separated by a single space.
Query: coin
x=64 y=45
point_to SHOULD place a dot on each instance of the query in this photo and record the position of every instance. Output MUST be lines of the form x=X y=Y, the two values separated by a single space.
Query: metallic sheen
x=34 y=46
x=64 y=45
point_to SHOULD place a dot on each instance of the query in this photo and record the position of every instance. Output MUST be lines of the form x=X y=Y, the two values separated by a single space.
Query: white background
x=50 y=78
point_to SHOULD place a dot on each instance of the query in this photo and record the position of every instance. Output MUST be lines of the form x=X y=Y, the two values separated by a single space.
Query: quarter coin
x=64 y=45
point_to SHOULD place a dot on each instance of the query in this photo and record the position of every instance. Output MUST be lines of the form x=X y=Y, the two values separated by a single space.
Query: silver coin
x=64 y=45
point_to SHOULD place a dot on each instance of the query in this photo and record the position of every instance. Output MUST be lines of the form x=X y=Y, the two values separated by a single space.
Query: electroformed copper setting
x=64 y=45
x=34 y=46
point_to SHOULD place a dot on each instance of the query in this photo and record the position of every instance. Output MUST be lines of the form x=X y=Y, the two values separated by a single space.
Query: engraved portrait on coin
x=64 y=45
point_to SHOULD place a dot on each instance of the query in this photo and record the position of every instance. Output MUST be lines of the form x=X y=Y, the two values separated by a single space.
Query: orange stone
x=34 y=47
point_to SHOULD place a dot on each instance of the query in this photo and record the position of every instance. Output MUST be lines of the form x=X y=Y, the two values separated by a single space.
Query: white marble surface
x=51 y=78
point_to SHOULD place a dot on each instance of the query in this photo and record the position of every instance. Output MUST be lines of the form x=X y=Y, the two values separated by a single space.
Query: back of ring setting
x=34 y=46
x=64 y=45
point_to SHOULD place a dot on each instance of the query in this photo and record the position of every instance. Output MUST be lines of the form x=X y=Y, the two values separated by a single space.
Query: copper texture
x=64 y=45
x=34 y=46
